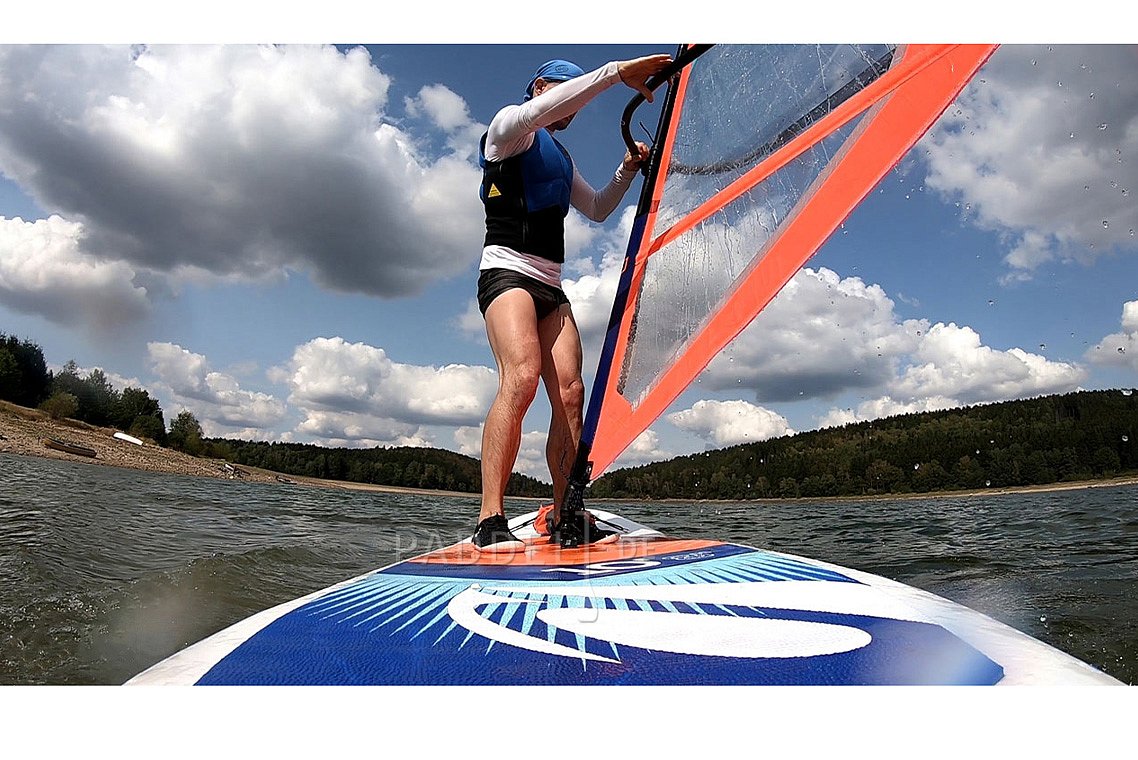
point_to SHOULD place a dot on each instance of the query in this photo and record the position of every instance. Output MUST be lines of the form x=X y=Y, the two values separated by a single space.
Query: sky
x=284 y=239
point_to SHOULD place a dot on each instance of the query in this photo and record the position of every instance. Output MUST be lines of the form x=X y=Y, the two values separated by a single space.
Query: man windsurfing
x=529 y=183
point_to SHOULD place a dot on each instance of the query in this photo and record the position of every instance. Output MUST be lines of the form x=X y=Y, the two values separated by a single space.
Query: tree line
x=1069 y=437
x=402 y=466
x=26 y=380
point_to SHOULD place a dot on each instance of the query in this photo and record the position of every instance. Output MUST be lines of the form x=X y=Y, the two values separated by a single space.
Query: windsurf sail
x=761 y=152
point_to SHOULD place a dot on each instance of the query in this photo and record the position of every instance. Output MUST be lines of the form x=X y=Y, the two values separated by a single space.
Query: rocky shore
x=23 y=431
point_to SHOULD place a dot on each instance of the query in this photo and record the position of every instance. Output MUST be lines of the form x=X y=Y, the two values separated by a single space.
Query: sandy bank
x=23 y=431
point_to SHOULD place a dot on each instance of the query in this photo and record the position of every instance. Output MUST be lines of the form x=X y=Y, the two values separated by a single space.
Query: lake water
x=105 y=571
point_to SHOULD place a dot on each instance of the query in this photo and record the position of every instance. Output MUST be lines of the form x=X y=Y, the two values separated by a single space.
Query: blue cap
x=556 y=70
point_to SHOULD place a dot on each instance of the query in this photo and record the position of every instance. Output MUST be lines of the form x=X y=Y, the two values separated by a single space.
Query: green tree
x=148 y=427
x=930 y=476
x=883 y=477
x=11 y=378
x=136 y=411
x=968 y=473
x=186 y=434
x=61 y=405
x=24 y=376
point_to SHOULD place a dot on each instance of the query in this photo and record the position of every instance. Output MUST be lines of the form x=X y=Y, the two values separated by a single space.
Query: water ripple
x=106 y=571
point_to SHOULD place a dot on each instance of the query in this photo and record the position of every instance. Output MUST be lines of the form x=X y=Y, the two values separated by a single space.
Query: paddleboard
x=647 y=609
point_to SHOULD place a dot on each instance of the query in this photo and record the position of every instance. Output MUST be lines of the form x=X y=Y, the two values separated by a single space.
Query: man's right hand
x=636 y=72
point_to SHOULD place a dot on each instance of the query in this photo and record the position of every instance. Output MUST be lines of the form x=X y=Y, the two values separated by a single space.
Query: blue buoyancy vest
x=527 y=198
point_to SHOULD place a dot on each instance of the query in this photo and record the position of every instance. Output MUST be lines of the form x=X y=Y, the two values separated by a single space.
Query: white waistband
x=501 y=257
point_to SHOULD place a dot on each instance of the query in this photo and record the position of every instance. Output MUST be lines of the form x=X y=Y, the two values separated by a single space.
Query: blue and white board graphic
x=645 y=610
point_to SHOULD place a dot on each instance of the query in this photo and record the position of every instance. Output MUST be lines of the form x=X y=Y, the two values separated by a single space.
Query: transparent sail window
x=689 y=278
x=744 y=102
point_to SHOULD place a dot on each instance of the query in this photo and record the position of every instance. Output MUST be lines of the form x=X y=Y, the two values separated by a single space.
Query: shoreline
x=23 y=430
x=1074 y=485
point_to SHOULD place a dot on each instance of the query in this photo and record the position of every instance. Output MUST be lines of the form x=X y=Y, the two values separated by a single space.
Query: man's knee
x=573 y=395
x=519 y=383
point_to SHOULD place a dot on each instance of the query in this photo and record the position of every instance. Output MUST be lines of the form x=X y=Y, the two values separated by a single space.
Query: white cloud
x=43 y=270
x=593 y=291
x=824 y=335
x=215 y=398
x=447 y=111
x=821 y=335
x=352 y=429
x=236 y=161
x=950 y=367
x=1038 y=148
x=951 y=362
x=885 y=406
x=355 y=392
x=445 y=108
x=469 y=440
x=531 y=456
x=644 y=449
x=471 y=323
x=727 y=423
x=1121 y=348
x=531 y=453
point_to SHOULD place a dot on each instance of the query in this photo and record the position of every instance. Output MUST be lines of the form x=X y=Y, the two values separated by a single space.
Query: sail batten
x=763 y=152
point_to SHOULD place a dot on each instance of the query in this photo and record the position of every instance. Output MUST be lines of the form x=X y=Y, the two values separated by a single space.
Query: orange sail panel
x=766 y=151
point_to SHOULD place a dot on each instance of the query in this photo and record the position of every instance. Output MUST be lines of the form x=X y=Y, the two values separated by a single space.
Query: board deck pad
x=647 y=609
x=650 y=612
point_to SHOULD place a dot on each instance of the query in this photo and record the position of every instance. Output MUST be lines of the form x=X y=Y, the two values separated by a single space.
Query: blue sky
x=285 y=241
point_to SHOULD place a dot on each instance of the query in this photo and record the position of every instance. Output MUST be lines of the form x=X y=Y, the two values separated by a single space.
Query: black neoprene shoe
x=579 y=529
x=493 y=535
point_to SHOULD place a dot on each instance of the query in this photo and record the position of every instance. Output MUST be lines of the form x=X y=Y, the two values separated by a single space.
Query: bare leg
x=511 y=325
x=561 y=373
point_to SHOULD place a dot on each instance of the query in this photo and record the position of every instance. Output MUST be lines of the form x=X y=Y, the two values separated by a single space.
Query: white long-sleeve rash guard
x=512 y=131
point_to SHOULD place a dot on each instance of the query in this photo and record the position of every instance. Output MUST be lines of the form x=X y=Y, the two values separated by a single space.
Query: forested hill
x=403 y=466
x=1077 y=436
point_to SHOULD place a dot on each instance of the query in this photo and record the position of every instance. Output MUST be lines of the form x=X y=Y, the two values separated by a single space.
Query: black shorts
x=494 y=282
